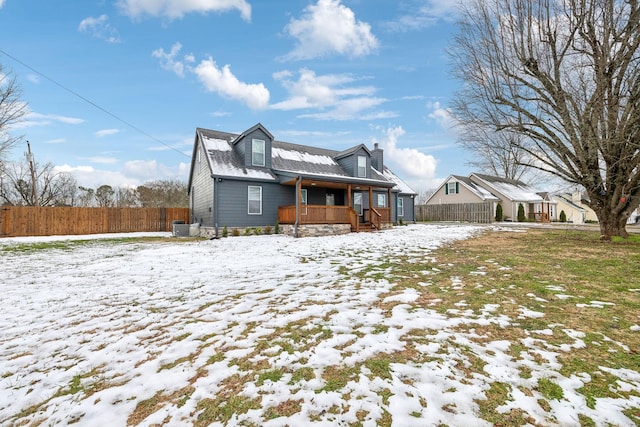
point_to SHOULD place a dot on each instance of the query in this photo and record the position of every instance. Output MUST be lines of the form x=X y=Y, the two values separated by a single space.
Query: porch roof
x=323 y=180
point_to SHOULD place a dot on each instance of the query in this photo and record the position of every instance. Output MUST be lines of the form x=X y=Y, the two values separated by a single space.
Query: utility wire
x=88 y=101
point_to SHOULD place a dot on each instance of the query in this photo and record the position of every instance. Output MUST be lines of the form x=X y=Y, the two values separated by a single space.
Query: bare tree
x=163 y=193
x=12 y=109
x=564 y=75
x=104 y=196
x=126 y=198
x=52 y=188
x=496 y=153
x=86 y=196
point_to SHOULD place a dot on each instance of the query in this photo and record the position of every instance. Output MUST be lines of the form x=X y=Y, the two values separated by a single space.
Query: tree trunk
x=611 y=224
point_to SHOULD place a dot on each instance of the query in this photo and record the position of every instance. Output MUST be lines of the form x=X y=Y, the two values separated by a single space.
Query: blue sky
x=116 y=88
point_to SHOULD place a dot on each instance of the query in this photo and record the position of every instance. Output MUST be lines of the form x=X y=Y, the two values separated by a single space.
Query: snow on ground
x=166 y=333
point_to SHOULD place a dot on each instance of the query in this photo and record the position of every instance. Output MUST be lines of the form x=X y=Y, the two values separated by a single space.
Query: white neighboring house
x=575 y=207
x=509 y=193
x=571 y=207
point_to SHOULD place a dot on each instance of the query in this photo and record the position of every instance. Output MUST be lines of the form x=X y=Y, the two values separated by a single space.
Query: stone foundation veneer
x=307 y=230
x=316 y=230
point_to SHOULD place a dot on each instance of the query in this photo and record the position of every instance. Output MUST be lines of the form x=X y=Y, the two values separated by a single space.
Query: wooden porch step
x=366 y=227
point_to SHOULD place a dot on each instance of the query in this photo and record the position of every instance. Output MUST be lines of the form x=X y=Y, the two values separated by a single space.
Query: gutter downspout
x=295 y=225
x=215 y=206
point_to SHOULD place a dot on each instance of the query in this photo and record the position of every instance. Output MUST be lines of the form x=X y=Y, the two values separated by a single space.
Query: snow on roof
x=215 y=144
x=402 y=186
x=300 y=156
x=227 y=169
x=512 y=189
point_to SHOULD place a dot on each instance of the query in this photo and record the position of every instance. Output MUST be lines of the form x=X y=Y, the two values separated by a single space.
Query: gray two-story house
x=251 y=180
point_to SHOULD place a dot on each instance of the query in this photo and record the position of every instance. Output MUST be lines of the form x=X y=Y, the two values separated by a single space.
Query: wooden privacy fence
x=48 y=221
x=464 y=212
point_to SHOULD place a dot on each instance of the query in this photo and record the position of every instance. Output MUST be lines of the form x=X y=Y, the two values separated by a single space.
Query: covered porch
x=364 y=206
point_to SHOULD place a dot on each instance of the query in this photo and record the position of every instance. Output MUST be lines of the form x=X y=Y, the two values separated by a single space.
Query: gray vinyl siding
x=408 y=207
x=244 y=148
x=233 y=196
x=350 y=163
x=201 y=192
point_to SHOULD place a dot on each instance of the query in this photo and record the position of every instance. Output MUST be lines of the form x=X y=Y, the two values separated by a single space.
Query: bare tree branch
x=564 y=76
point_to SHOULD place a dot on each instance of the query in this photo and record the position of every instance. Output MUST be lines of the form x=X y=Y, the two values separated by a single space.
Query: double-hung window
x=382 y=200
x=400 y=206
x=254 y=200
x=362 y=167
x=257 y=152
x=452 y=188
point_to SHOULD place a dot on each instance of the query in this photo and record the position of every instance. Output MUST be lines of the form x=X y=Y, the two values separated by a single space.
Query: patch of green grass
x=550 y=389
x=302 y=374
x=273 y=376
x=221 y=410
x=379 y=366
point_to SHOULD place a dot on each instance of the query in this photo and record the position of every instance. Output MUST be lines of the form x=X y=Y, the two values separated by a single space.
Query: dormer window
x=257 y=152
x=362 y=167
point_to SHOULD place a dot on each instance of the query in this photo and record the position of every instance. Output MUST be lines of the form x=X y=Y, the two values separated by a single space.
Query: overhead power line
x=88 y=101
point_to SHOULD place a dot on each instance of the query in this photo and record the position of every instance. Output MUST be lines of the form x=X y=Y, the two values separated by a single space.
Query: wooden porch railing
x=539 y=216
x=320 y=214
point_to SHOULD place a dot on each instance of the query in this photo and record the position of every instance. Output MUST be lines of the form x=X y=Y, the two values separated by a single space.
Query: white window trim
x=384 y=200
x=249 y=199
x=449 y=185
x=400 y=206
x=362 y=170
x=254 y=144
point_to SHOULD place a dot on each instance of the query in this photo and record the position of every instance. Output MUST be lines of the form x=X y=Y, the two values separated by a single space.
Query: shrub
x=267 y=229
x=225 y=231
x=276 y=230
x=499 y=217
x=257 y=231
x=235 y=232
x=400 y=221
x=563 y=216
x=248 y=231
x=521 y=216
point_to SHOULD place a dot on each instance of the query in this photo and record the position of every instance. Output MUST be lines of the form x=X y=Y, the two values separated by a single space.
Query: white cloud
x=102 y=160
x=33 y=78
x=441 y=115
x=106 y=132
x=99 y=28
x=169 y=60
x=332 y=92
x=32 y=119
x=329 y=27
x=215 y=79
x=427 y=14
x=415 y=167
x=1 y=3
x=174 y=9
x=223 y=82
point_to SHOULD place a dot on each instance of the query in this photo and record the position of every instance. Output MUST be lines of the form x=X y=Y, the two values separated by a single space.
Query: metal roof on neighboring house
x=290 y=159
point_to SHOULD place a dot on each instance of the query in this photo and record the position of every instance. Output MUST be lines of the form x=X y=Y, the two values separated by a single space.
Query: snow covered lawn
x=270 y=331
